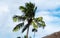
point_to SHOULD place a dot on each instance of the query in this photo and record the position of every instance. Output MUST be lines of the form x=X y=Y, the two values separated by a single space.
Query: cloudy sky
x=48 y=9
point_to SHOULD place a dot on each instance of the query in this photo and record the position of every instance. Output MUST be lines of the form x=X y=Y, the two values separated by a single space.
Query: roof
x=54 y=35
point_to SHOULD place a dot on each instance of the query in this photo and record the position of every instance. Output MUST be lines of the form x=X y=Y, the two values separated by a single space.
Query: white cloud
x=47 y=4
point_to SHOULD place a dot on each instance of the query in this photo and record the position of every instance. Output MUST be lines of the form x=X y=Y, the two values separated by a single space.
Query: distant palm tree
x=34 y=30
x=28 y=15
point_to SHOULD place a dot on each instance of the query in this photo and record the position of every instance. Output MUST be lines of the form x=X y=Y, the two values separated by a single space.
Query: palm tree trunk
x=27 y=32
x=34 y=34
x=29 y=21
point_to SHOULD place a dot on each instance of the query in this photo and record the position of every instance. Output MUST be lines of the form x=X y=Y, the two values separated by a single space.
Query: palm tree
x=28 y=15
x=34 y=30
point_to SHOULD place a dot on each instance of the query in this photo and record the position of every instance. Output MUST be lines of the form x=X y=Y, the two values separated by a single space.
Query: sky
x=48 y=9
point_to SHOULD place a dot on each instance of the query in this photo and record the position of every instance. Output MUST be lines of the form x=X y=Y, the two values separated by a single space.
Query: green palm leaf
x=18 y=18
x=34 y=24
x=29 y=5
x=43 y=24
x=18 y=27
x=39 y=19
x=40 y=22
x=23 y=9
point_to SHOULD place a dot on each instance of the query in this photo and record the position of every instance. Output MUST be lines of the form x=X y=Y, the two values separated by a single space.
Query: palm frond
x=35 y=9
x=18 y=37
x=43 y=24
x=27 y=25
x=39 y=21
x=23 y=9
x=18 y=18
x=17 y=27
x=34 y=30
x=29 y=9
x=34 y=24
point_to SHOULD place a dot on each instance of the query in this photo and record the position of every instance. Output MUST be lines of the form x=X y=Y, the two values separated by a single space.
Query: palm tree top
x=28 y=10
x=28 y=14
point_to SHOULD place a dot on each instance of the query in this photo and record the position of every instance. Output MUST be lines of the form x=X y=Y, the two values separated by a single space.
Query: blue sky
x=48 y=9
